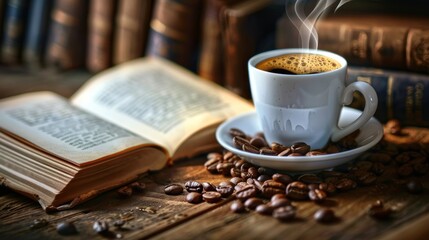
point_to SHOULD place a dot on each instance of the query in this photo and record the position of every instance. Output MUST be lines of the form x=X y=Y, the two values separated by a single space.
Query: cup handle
x=371 y=102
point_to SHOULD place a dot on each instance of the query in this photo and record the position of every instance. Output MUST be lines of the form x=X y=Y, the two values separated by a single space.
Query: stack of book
x=385 y=44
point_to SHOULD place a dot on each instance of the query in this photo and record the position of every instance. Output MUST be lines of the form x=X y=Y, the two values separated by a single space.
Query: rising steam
x=305 y=22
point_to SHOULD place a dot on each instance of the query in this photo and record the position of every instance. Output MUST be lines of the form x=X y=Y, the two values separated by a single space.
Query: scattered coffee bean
x=137 y=186
x=173 y=189
x=208 y=186
x=237 y=206
x=253 y=202
x=280 y=202
x=317 y=195
x=225 y=191
x=282 y=178
x=297 y=191
x=271 y=187
x=66 y=228
x=246 y=192
x=278 y=196
x=100 y=227
x=325 y=215
x=194 y=197
x=125 y=192
x=212 y=197
x=286 y=213
x=414 y=187
x=264 y=209
x=39 y=223
x=379 y=212
x=193 y=186
x=309 y=178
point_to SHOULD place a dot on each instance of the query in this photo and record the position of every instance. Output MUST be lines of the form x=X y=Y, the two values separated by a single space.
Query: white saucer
x=370 y=134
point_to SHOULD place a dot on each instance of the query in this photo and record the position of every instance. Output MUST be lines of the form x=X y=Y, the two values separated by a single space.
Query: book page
x=49 y=122
x=157 y=99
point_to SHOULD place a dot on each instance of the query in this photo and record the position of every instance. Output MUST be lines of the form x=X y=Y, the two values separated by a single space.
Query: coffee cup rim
x=277 y=52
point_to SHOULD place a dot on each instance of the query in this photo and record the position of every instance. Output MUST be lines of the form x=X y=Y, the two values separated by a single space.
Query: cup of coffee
x=299 y=94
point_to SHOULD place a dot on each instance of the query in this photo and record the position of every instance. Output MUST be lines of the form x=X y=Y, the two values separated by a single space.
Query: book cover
x=396 y=42
x=37 y=31
x=13 y=31
x=132 y=24
x=248 y=29
x=67 y=35
x=175 y=30
x=101 y=18
x=401 y=95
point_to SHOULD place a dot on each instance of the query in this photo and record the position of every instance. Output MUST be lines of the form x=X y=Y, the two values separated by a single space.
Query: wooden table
x=153 y=214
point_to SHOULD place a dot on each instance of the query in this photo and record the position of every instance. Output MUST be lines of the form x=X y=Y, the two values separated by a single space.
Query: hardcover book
x=125 y=121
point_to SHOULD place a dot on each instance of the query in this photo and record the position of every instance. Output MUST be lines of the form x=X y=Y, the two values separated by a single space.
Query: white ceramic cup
x=306 y=108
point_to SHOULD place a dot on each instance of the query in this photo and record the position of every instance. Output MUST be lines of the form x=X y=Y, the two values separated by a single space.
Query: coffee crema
x=298 y=63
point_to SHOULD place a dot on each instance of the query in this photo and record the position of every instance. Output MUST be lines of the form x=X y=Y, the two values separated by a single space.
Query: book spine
x=132 y=24
x=248 y=29
x=100 y=34
x=211 y=58
x=13 y=32
x=401 y=95
x=37 y=26
x=399 y=48
x=67 y=35
x=174 y=31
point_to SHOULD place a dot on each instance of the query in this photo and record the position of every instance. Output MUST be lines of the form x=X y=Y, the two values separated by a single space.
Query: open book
x=123 y=122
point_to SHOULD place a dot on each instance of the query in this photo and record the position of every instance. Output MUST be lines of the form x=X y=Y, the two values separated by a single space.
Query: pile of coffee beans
x=271 y=192
x=257 y=144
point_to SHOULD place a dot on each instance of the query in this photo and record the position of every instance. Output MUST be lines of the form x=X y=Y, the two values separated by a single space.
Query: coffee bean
x=325 y=215
x=267 y=151
x=405 y=170
x=258 y=142
x=235 y=172
x=285 y=213
x=239 y=142
x=194 y=197
x=282 y=178
x=224 y=168
x=234 y=132
x=252 y=203
x=138 y=186
x=236 y=180
x=100 y=227
x=297 y=191
x=66 y=228
x=264 y=209
x=278 y=196
x=317 y=195
x=309 y=178
x=278 y=147
x=286 y=152
x=365 y=178
x=211 y=165
x=328 y=188
x=212 y=197
x=247 y=147
x=173 y=189
x=345 y=184
x=208 y=186
x=271 y=187
x=263 y=178
x=300 y=147
x=237 y=206
x=225 y=191
x=240 y=186
x=38 y=223
x=124 y=192
x=414 y=187
x=315 y=153
x=246 y=192
x=378 y=211
x=280 y=202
